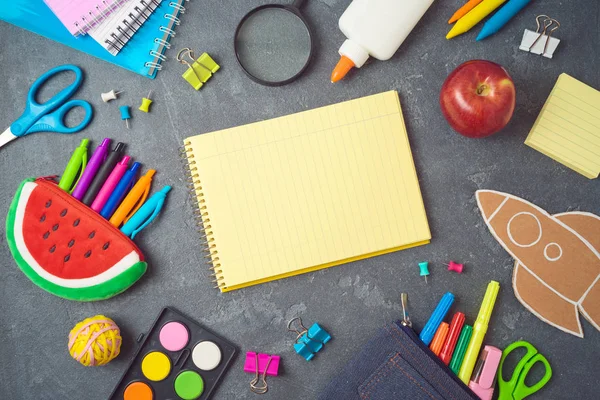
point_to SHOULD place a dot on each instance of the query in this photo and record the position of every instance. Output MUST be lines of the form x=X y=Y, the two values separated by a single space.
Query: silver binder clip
x=541 y=41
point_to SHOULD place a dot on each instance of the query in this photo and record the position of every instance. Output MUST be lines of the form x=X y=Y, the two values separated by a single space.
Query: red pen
x=458 y=320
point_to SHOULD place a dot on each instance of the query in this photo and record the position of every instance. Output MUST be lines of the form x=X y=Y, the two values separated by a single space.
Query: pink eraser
x=250 y=363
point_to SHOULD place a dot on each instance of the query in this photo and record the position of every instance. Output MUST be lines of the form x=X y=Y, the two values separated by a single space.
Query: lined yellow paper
x=568 y=128
x=309 y=190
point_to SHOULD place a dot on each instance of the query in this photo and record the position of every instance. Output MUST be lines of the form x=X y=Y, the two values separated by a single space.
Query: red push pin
x=456 y=267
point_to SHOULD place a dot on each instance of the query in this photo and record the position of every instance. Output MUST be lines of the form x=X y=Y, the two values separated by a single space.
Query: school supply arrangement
x=556 y=258
x=118 y=29
x=143 y=54
x=176 y=358
x=79 y=16
x=75 y=251
x=396 y=362
x=48 y=117
x=306 y=191
x=568 y=127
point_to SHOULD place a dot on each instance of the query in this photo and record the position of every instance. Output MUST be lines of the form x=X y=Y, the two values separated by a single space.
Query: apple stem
x=482 y=90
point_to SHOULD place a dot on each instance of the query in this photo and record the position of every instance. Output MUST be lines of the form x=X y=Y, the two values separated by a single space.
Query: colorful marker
x=464 y=10
x=474 y=16
x=436 y=318
x=92 y=167
x=146 y=213
x=134 y=199
x=103 y=171
x=479 y=330
x=458 y=320
x=109 y=186
x=76 y=164
x=439 y=338
x=502 y=17
x=461 y=348
x=120 y=191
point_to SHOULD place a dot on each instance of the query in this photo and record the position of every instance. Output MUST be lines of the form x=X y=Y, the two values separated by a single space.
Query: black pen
x=113 y=157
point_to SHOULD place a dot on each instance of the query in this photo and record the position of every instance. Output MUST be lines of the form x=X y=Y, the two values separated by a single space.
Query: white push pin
x=541 y=41
x=108 y=96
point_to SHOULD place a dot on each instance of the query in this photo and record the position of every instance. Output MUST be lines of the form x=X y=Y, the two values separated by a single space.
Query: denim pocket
x=397 y=379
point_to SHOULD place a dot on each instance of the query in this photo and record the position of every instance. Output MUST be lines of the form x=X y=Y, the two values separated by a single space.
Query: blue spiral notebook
x=143 y=53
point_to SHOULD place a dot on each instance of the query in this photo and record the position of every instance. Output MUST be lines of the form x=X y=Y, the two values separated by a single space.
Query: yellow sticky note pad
x=568 y=127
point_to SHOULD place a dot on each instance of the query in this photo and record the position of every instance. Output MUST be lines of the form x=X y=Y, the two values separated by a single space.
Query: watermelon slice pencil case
x=66 y=248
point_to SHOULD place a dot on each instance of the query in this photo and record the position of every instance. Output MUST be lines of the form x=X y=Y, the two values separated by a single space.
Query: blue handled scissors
x=49 y=116
x=516 y=388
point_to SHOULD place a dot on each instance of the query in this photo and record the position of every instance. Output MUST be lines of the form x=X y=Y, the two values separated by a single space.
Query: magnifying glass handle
x=298 y=3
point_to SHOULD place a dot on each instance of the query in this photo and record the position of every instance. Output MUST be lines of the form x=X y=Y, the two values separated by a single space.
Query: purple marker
x=92 y=167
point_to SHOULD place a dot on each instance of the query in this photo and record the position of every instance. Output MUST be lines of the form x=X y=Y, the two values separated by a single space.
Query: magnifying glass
x=274 y=44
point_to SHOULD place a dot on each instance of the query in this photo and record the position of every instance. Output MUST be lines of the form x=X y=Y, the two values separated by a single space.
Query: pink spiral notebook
x=79 y=16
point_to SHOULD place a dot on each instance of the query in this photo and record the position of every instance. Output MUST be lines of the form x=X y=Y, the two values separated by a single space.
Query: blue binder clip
x=308 y=341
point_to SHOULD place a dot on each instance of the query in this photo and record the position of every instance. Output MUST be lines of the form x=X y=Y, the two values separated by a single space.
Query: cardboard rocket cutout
x=557 y=259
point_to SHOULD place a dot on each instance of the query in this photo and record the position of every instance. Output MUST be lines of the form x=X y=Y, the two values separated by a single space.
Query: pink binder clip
x=263 y=359
x=261 y=365
x=456 y=267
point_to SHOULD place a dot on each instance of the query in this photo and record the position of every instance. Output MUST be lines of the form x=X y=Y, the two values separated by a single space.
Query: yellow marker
x=146 y=101
x=473 y=17
x=134 y=199
x=479 y=329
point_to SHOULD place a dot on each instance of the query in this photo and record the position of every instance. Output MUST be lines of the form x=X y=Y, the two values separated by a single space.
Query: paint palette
x=178 y=359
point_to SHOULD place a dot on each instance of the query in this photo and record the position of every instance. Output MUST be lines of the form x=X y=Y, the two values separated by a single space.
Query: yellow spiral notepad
x=307 y=191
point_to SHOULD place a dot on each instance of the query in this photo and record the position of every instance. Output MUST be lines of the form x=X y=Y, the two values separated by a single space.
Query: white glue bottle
x=375 y=28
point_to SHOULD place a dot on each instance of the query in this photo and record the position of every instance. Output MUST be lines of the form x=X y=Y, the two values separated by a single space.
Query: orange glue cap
x=341 y=69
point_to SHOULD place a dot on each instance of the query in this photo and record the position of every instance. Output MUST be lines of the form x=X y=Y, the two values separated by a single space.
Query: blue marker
x=500 y=19
x=124 y=185
x=436 y=318
x=146 y=213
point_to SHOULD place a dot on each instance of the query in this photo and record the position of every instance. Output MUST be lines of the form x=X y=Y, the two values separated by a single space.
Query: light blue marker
x=500 y=19
x=146 y=213
x=436 y=318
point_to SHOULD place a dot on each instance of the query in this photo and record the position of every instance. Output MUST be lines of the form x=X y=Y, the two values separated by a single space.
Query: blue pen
x=146 y=213
x=436 y=318
x=124 y=185
x=500 y=19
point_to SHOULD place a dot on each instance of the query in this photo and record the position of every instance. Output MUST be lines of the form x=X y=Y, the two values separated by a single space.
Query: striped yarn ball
x=95 y=341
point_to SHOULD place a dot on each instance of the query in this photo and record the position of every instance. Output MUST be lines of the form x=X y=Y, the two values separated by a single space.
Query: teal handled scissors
x=515 y=388
x=49 y=116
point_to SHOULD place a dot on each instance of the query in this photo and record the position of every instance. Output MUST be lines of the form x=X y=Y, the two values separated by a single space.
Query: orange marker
x=134 y=199
x=439 y=338
x=464 y=10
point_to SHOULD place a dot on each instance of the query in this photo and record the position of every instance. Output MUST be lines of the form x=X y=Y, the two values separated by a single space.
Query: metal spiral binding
x=168 y=32
x=96 y=15
x=201 y=215
x=130 y=25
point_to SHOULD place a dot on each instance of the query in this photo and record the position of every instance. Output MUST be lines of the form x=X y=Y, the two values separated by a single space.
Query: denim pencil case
x=396 y=364
x=66 y=248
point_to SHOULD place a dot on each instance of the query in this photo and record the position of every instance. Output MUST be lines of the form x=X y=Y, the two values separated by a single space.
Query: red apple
x=478 y=98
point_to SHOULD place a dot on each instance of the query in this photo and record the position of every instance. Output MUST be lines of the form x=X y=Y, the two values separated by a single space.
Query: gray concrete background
x=351 y=301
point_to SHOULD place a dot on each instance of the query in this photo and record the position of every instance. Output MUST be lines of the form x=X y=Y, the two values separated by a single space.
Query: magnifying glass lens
x=273 y=44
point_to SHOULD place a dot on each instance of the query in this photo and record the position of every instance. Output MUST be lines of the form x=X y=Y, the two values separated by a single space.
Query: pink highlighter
x=110 y=184
x=484 y=375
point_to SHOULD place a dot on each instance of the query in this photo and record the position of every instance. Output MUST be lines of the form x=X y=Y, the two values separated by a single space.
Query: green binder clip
x=200 y=70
